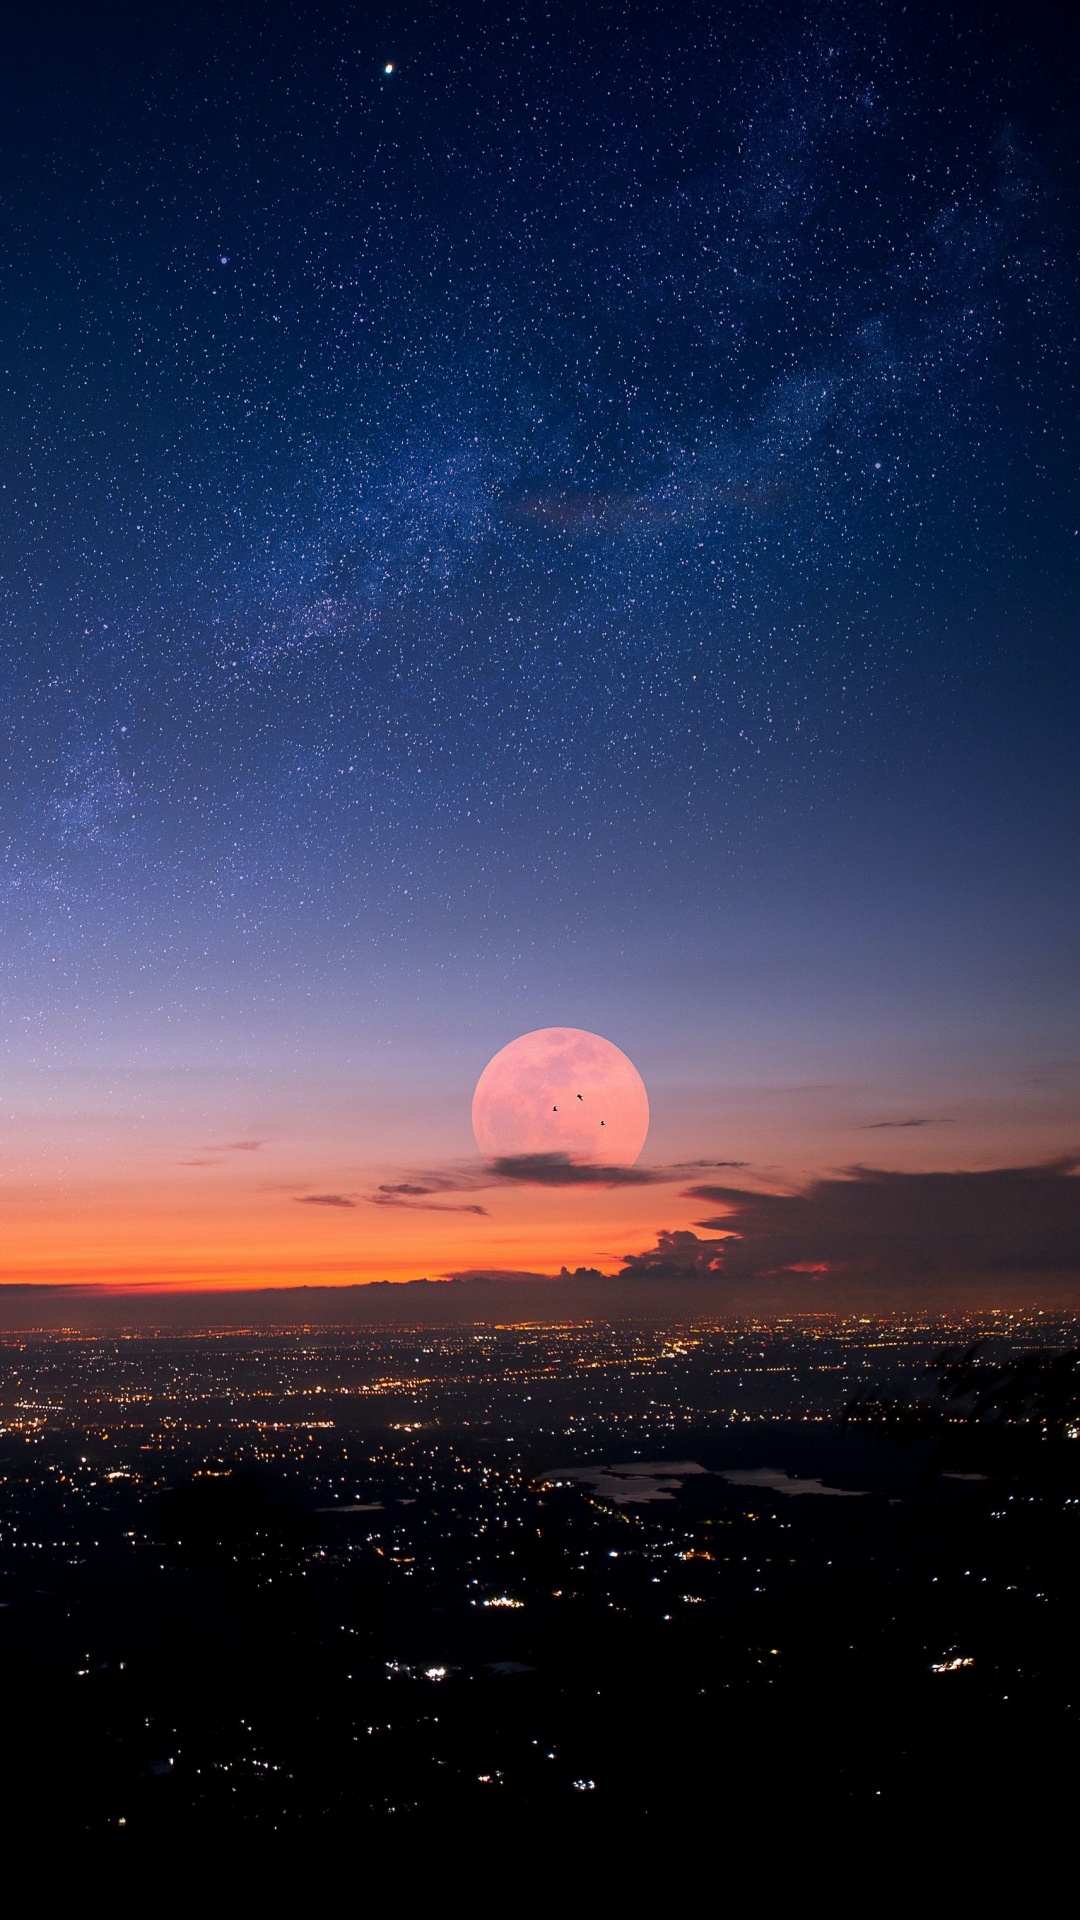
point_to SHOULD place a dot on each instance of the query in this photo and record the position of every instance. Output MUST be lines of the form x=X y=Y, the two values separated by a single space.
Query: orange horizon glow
x=142 y=1235
x=170 y=1183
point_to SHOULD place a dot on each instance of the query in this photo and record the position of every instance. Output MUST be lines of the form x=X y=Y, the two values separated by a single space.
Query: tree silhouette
x=1018 y=1415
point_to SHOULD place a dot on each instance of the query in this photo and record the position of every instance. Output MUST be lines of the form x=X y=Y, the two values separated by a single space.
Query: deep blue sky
x=581 y=528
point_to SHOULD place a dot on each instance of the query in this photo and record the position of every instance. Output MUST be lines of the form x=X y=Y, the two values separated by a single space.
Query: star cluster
x=464 y=464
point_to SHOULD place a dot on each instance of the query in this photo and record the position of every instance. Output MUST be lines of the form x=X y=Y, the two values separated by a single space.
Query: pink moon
x=561 y=1091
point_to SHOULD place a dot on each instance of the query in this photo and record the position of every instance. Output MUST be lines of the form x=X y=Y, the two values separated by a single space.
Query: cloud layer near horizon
x=883 y=1225
x=516 y=1170
x=870 y=1225
x=558 y=1170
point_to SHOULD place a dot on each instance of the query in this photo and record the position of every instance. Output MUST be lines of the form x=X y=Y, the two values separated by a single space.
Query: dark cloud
x=880 y=1126
x=688 y=1166
x=558 y=1170
x=411 y=1194
x=324 y=1200
x=497 y=1276
x=873 y=1224
x=676 y=1256
x=431 y=1206
x=721 y=1195
x=530 y=1169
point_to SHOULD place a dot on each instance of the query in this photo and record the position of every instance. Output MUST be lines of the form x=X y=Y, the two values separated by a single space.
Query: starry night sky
x=579 y=528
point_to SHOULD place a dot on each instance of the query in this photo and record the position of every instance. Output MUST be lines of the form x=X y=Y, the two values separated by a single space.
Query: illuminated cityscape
x=318 y=1581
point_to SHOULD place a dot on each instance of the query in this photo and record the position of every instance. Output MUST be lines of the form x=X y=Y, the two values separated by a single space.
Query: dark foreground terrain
x=280 y=1596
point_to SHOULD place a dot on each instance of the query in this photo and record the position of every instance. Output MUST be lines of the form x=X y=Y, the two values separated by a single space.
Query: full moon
x=561 y=1090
